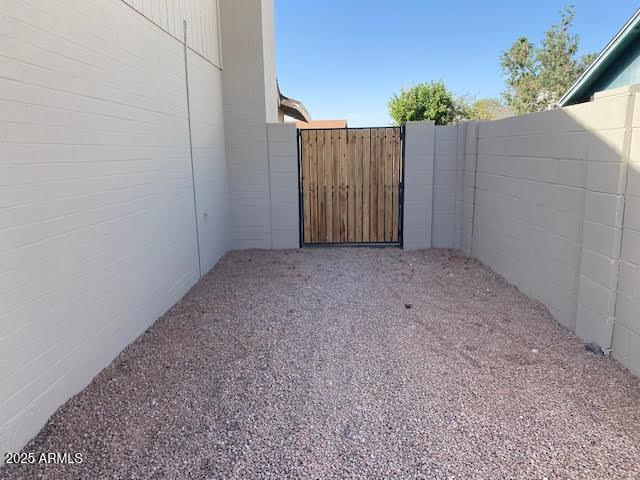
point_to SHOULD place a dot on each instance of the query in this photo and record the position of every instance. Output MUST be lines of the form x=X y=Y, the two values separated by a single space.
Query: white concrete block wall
x=445 y=187
x=245 y=114
x=549 y=200
x=469 y=153
x=97 y=214
x=202 y=23
x=626 y=333
x=209 y=160
x=272 y=97
x=459 y=206
x=603 y=216
x=529 y=204
x=418 y=184
x=283 y=175
x=536 y=208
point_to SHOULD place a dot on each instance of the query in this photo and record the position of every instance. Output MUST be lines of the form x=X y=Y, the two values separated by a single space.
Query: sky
x=345 y=58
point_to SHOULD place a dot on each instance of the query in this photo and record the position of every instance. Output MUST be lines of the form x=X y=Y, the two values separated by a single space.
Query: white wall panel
x=201 y=17
x=96 y=201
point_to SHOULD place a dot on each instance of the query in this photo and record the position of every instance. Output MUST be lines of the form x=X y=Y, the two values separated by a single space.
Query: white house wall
x=209 y=160
x=269 y=58
x=96 y=200
x=245 y=112
x=201 y=17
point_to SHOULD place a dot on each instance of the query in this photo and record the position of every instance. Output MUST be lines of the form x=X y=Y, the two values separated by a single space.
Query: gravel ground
x=334 y=363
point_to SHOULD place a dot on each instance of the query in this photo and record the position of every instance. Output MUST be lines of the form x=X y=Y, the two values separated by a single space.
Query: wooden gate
x=351 y=185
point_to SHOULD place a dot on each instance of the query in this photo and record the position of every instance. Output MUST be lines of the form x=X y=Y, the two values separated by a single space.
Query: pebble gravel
x=350 y=363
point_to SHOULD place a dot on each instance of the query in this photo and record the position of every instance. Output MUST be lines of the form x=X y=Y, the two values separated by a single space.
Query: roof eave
x=294 y=109
x=592 y=70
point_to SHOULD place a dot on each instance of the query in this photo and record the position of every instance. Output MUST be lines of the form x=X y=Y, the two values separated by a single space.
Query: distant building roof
x=322 y=124
x=292 y=108
x=617 y=65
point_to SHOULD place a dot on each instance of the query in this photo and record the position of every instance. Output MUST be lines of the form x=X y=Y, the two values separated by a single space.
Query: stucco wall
x=98 y=228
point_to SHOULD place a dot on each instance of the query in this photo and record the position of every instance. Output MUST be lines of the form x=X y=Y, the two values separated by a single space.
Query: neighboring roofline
x=322 y=124
x=292 y=108
x=600 y=59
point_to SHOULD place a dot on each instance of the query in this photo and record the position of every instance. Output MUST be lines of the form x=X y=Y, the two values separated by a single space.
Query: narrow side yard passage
x=329 y=363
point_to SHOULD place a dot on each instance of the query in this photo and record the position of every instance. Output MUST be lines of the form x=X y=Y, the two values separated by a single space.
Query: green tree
x=468 y=108
x=425 y=101
x=486 y=109
x=537 y=77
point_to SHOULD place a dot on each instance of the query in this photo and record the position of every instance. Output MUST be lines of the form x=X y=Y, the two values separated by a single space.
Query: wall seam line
x=475 y=181
x=433 y=185
x=269 y=185
x=456 y=242
x=193 y=175
x=219 y=67
x=626 y=155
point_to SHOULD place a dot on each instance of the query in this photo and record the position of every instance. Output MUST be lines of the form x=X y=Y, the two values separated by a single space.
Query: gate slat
x=366 y=166
x=305 y=185
x=395 y=185
x=322 y=211
x=350 y=190
x=313 y=185
x=388 y=184
x=328 y=173
x=335 y=193
x=343 y=185
x=373 y=187
x=350 y=185
x=381 y=164
x=358 y=185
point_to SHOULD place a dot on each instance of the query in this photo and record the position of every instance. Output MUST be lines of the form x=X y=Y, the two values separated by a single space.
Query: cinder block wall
x=546 y=218
x=247 y=109
x=459 y=196
x=98 y=224
x=209 y=161
x=609 y=121
x=626 y=333
x=434 y=185
x=469 y=154
x=548 y=201
x=418 y=184
x=529 y=205
x=445 y=186
x=283 y=175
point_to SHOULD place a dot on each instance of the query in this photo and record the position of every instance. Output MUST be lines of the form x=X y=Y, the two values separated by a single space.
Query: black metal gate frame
x=399 y=243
